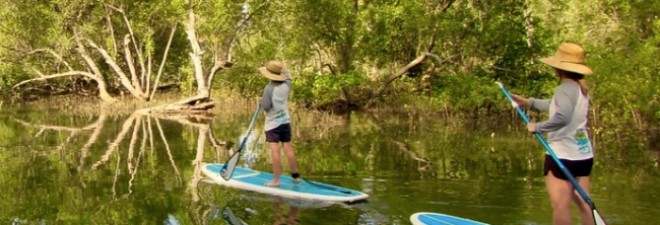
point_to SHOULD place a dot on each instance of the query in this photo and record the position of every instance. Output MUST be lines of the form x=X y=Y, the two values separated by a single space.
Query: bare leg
x=291 y=157
x=277 y=164
x=585 y=211
x=293 y=216
x=277 y=210
x=560 y=193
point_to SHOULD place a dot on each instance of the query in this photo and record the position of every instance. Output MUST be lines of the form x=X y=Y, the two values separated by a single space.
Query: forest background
x=417 y=55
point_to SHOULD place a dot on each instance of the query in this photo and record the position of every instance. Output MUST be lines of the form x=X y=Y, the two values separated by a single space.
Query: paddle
x=598 y=219
x=228 y=168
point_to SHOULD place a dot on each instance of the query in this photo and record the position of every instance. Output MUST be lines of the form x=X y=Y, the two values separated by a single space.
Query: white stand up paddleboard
x=429 y=218
x=253 y=180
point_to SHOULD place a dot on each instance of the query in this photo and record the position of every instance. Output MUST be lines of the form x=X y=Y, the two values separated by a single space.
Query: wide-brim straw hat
x=273 y=71
x=569 y=57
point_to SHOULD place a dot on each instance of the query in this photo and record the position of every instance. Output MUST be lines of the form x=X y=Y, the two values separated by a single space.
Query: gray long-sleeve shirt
x=565 y=97
x=274 y=102
x=566 y=126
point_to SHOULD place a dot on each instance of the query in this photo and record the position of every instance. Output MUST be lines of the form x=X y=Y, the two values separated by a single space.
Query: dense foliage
x=343 y=51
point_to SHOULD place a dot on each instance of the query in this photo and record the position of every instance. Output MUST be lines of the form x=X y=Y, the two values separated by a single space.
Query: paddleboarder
x=567 y=132
x=274 y=102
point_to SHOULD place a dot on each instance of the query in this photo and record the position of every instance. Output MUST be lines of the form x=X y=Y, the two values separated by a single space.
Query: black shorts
x=281 y=133
x=578 y=168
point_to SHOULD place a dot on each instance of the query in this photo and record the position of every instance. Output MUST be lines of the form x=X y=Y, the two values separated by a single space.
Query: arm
x=542 y=105
x=266 y=101
x=565 y=100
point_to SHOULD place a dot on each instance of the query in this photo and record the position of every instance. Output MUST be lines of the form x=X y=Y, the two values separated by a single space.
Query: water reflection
x=232 y=219
x=142 y=168
x=289 y=218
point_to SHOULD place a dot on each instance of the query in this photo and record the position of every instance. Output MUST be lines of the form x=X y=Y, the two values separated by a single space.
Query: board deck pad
x=254 y=180
x=429 y=218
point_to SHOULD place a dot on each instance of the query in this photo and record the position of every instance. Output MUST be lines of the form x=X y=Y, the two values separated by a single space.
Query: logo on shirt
x=281 y=116
x=584 y=146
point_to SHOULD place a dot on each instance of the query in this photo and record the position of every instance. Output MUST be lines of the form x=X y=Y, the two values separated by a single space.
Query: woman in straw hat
x=567 y=134
x=274 y=102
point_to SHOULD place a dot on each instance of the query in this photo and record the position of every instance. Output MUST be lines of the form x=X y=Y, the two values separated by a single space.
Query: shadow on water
x=139 y=169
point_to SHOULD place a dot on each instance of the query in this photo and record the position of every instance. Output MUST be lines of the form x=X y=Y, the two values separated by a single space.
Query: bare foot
x=273 y=184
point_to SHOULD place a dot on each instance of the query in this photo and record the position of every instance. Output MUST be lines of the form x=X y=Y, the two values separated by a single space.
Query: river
x=107 y=169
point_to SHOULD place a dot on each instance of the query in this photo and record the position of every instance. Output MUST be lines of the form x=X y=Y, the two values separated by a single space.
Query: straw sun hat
x=569 y=57
x=273 y=71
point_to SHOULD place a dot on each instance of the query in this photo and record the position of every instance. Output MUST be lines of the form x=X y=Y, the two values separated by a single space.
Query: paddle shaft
x=254 y=118
x=240 y=145
x=545 y=144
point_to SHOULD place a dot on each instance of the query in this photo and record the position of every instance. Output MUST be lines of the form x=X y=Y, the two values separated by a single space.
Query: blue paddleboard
x=253 y=180
x=428 y=218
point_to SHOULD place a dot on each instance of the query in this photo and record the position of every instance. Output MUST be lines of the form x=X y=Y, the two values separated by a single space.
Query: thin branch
x=162 y=63
x=85 y=55
x=116 y=177
x=129 y=61
x=46 y=77
x=131 y=145
x=130 y=31
x=169 y=152
x=124 y=80
x=146 y=77
x=98 y=126
x=103 y=92
x=151 y=136
x=442 y=61
x=112 y=32
x=128 y=124
x=57 y=56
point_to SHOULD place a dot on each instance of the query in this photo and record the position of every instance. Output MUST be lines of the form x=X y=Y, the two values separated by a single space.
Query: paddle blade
x=598 y=218
x=228 y=169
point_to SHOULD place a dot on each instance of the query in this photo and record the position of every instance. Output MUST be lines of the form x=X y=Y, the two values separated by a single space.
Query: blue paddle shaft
x=254 y=118
x=567 y=173
x=241 y=145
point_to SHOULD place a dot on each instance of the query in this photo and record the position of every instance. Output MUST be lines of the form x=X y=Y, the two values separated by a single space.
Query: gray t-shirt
x=274 y=102
x=566 y=127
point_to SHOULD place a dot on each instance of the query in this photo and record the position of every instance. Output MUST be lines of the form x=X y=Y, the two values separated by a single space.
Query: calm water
x=100 y=169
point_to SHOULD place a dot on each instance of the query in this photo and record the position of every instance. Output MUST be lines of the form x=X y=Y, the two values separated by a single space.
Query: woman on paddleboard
x=567 y=132
x=274 y=102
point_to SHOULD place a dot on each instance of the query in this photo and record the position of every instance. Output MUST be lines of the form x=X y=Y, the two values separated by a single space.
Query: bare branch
x=197 y=162
x=131 y=145
x=169 y=152
x=57 y=56
x=130 y=31
x=56 y=128
x=216 y=67
x=442 y=61
x=115 y=144
x=103 y=92
x=98 y=126
x=195 y=55
x=71 y=73
x=124 y=80
x=145 y=84
x=162 y=63
x=85 y=55
x=111 y=30
x=129 y=61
